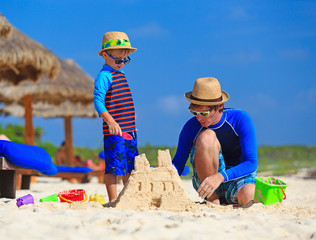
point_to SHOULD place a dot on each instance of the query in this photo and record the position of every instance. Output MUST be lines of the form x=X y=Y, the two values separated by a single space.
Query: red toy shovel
x=126 y=136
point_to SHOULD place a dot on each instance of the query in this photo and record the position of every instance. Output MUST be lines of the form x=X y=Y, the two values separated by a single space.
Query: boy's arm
x=102 y=84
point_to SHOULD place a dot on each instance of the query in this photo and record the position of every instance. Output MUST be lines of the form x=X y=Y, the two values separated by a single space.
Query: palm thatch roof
x=72 y=84
x=66 y=109
x=22 y=58
x=5 y=27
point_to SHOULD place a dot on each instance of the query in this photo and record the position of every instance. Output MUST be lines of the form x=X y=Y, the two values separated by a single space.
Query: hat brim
x=188 y=96
x=117 y=47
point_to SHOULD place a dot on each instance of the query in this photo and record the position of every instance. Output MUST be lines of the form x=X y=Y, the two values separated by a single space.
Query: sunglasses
x=120 y=61
x=203 y=113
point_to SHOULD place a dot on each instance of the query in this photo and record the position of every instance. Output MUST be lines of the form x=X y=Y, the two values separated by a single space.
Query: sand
x=294 y=218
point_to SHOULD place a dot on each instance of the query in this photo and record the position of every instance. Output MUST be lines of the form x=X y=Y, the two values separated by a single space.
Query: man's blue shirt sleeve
x=186 y=139
x=245 y=130
x=102 y=84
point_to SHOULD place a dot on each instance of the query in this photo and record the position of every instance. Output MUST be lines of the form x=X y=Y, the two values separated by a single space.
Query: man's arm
x=245 y=129
x=185 y=142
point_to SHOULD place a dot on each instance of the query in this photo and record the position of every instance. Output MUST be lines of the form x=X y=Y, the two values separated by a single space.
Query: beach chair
x=18 y=162
x=80 y=174
x=13 y=177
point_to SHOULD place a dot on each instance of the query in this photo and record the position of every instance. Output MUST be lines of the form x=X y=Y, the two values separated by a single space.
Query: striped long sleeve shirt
x=112 y=94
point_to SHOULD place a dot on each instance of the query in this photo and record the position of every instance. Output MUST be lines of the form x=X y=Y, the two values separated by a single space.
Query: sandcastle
x=154 y=187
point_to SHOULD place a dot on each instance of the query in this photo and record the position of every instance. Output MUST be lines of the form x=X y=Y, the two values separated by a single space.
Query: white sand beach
x=294 y=218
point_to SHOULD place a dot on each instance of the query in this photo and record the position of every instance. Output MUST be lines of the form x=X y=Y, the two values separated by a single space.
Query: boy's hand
x=114 y=128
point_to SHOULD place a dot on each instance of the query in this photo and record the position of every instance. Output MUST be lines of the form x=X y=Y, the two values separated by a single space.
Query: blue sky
x=262 y=52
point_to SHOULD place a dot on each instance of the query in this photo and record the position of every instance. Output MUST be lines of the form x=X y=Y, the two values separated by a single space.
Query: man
x=222 y=145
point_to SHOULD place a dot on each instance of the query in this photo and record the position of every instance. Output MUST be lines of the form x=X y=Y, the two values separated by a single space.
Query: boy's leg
x=111 y=186
x=206 y=157
x=114 y=155
x=125 y=178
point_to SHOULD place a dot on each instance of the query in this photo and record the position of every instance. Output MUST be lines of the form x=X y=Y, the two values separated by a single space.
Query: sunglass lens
x=204 y=114
x=193 y=112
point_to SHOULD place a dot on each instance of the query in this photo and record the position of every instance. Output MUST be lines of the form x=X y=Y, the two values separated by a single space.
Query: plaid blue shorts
x=120 y=154
x=226 y=192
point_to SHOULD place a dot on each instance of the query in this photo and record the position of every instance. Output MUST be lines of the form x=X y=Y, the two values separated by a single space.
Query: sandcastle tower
x=154 y=187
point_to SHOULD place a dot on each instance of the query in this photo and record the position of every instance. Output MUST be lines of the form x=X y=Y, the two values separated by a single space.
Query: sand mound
x=155 y=187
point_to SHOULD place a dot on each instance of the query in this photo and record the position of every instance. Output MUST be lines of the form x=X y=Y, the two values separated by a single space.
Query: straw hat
x=207 y=91
x=116 y=40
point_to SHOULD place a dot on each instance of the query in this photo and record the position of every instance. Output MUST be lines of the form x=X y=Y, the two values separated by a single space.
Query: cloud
x=306 y=99
x=257 y=103
x=172 y=105
x=149 y=30
x=239 y=13
x=240 y=58
x=297 y=54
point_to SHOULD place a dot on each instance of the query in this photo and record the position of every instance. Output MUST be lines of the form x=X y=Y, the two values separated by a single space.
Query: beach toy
x=50 y=198
x=27 y=199
x=270 y=190
x=126 y=136
x=76 y=195
x=97 y=198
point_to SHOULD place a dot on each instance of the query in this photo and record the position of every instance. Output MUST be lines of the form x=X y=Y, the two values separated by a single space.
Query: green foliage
x=286 y=159
x=50 y=148
x=16 y=133
x=152 y=154
x=277 y=159
x=88 y=153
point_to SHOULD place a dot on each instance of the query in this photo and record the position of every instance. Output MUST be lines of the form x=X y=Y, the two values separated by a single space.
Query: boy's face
x=118 y=54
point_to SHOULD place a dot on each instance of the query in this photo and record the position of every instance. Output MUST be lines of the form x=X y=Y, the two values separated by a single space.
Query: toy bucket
x=270 y=190
x=73 y=196
x=28 y=199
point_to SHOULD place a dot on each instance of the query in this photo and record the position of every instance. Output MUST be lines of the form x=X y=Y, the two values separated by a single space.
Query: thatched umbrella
x=46 y=110
x=22 y=58
x=5 y=27
x=72 y=84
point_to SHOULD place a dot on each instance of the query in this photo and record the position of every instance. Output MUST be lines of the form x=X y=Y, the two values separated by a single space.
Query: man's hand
x=209 y=185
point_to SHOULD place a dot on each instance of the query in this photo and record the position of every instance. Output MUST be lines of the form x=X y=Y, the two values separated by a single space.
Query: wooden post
x=28 y=117
x=69 y=143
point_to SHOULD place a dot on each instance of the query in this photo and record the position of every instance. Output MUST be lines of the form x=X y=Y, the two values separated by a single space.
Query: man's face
x=213 y=118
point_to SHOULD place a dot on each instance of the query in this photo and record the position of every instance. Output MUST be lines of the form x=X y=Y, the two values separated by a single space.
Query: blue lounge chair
x=18 y=162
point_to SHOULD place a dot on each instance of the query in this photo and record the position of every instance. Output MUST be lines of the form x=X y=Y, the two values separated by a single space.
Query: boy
x=114 y=103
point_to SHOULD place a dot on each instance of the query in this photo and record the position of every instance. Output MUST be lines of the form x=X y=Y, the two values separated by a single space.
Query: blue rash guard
x=236 y=134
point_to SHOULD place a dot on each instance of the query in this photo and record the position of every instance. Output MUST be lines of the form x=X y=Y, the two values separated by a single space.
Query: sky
x=262 y=52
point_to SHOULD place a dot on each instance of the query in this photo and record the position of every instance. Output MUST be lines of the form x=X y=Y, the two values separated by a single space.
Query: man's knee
x=208 y=139
x=246 y=194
